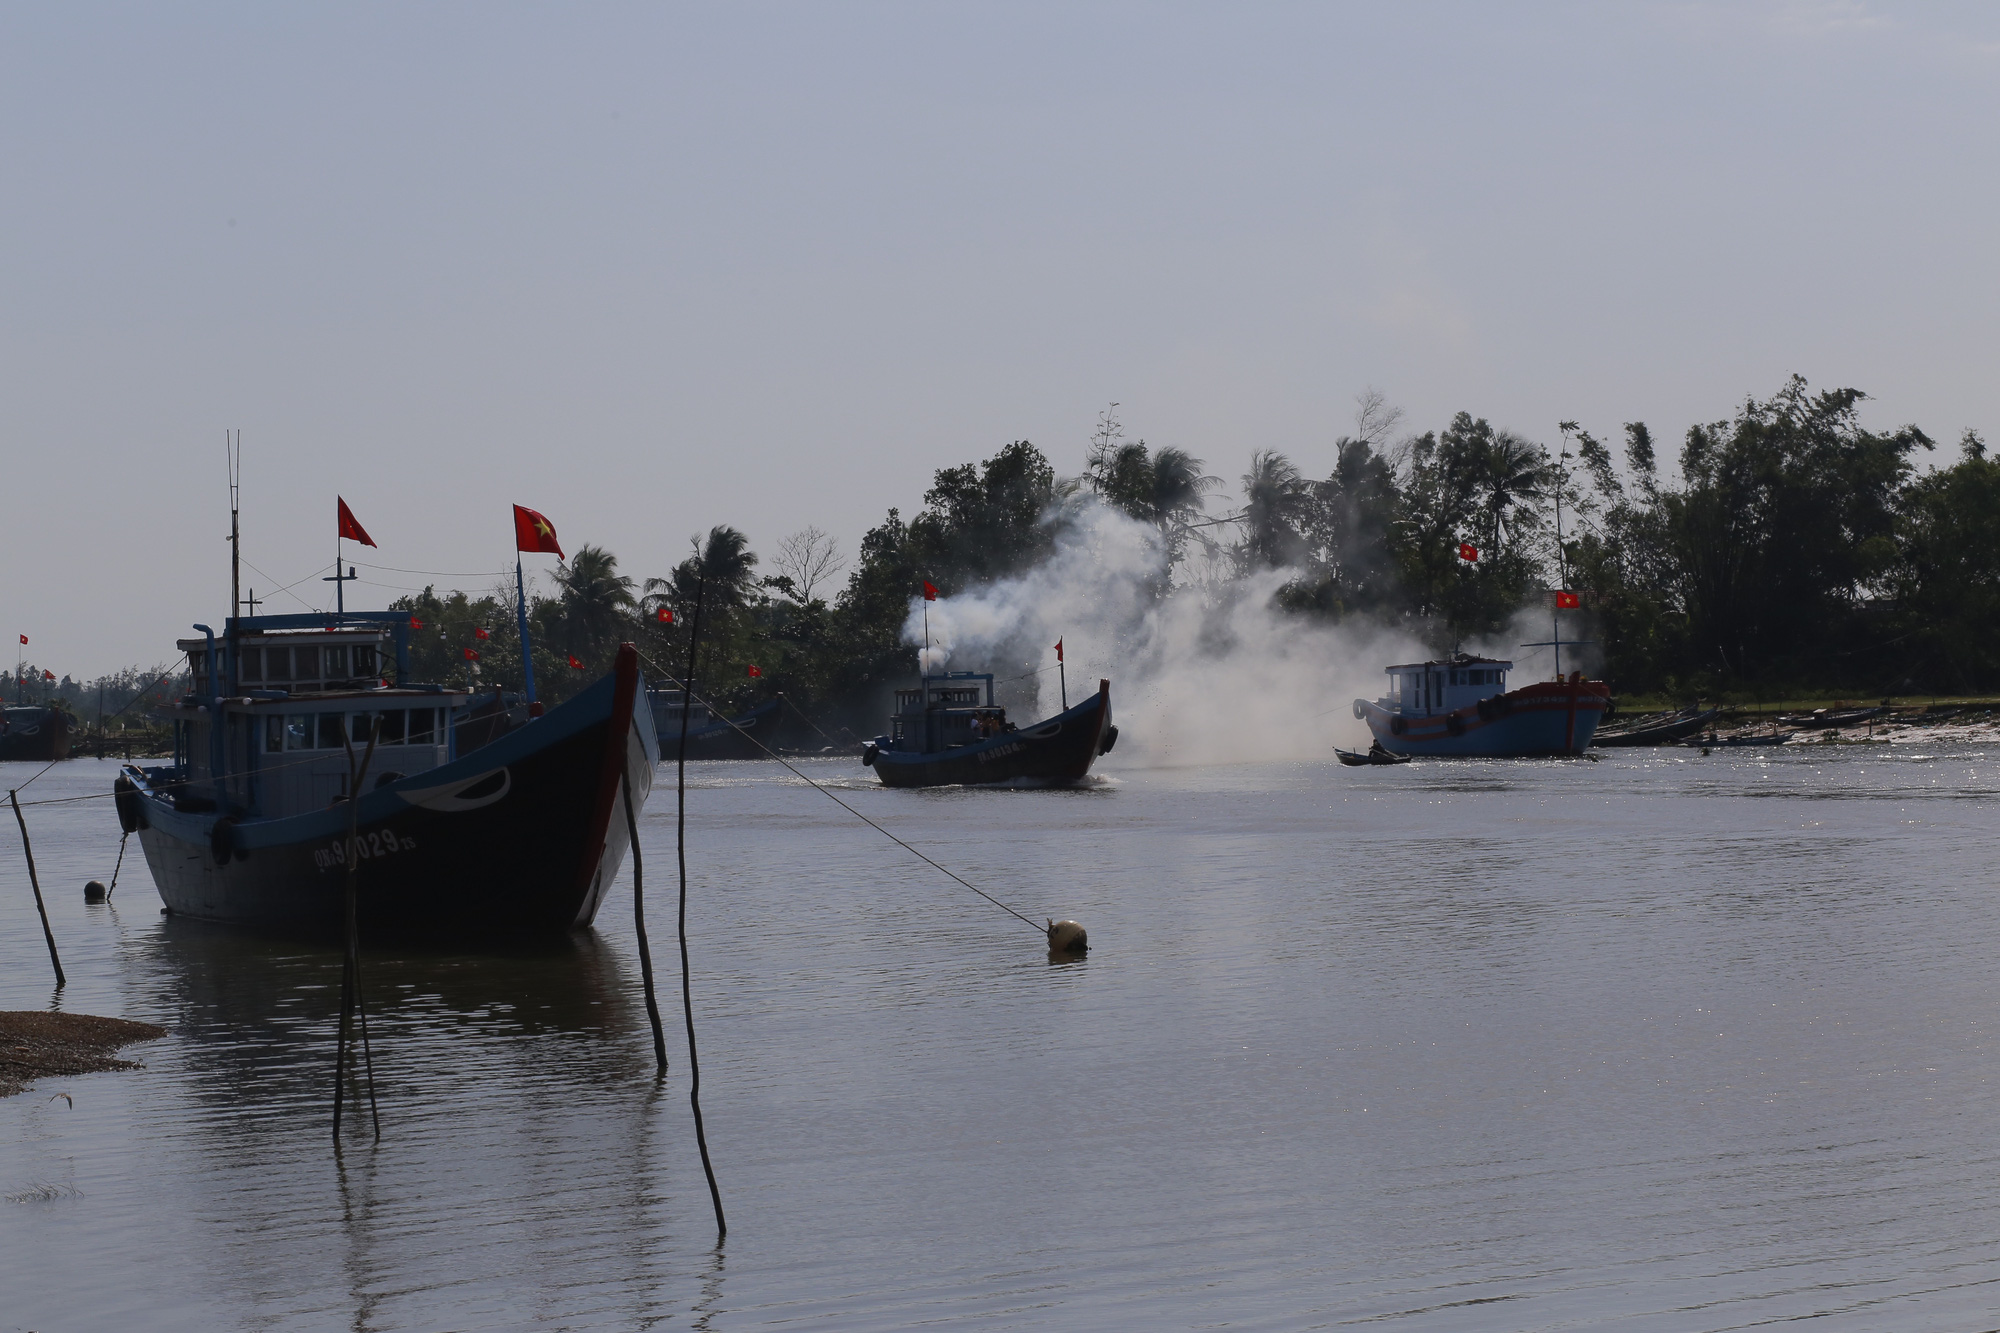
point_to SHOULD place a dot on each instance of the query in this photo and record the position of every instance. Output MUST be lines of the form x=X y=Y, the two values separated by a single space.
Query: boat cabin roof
x=947 y=689
x=1452 y=663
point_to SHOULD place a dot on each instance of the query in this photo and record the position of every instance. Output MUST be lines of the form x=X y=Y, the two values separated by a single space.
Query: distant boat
x=943 y=733
x=709 y=734
x=1460 y=706
x=34 y=733
x=1713 y=741
x=249 y=823
x=1662 y=729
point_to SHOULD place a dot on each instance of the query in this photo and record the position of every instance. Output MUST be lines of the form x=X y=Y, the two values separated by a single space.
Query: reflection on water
x=1660 y=1042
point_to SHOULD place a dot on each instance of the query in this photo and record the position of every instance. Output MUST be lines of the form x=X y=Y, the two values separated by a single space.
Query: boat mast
x=1562 y=564
x=234 y=454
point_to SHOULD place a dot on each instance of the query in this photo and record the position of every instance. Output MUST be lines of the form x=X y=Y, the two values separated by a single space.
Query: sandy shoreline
x=36 y=1044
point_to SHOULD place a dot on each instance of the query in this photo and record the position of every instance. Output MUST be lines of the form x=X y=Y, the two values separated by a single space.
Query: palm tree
x=594 y=596
x=1514 y=475
x=1167 y=489
x=1276 y=499
x=722 y=561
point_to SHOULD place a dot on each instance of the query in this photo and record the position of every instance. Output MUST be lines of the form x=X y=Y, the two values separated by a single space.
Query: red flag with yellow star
x=532 y=532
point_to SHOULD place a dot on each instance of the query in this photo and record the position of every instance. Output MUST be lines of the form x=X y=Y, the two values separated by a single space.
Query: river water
x=1664 y=1042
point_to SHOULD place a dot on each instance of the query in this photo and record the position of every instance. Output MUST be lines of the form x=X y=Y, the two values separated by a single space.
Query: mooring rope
x=1039 y=928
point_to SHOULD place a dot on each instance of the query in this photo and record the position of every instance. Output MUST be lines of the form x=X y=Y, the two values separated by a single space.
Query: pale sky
x=651 y=268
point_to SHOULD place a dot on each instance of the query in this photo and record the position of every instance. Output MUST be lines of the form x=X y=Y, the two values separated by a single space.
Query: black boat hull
x=34 y=734
x=1059 y=750
x=522 y=837
x=735 y=738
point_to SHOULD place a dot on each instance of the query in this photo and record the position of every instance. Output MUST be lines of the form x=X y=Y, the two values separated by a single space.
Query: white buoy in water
x=1068 y=939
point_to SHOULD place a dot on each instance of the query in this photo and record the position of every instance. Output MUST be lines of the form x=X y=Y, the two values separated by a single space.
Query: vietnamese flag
x=48 y=675
x=1467 y=551
x=479 y=633
x=350 y=528
x=470 y=656
x=752 y=670
x=1567 y=601
x=930 y=590
x=1059 y=656
x=574 y=663
x=415 y=623
x=532 y=532
x=666 y=616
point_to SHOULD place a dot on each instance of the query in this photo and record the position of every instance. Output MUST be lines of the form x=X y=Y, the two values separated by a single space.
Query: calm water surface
x=1662 y=1042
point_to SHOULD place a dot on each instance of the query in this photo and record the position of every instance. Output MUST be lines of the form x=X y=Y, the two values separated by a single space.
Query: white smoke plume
x=1209 y=674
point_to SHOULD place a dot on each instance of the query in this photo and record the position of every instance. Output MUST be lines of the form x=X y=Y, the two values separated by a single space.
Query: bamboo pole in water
x=680 y=844
x=36 y=883
x=639 y=922
x=351 y=1003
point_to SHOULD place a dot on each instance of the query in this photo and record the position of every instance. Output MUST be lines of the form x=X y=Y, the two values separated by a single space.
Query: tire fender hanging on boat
x=222 y=840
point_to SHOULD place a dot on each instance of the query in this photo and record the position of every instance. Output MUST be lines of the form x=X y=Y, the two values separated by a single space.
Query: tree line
x=1788 y=548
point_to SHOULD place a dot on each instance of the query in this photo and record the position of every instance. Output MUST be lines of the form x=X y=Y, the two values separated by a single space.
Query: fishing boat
x=1660 y=729
x=1713 y=741
x=710 y=735
x=1460 y=706
x=34 y=732
x=249 y=824
x=944 y=732
x=1374 y=754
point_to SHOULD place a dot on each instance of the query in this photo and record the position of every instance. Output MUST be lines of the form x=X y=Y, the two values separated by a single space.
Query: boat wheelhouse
x=1461 y=706
x=949 y=729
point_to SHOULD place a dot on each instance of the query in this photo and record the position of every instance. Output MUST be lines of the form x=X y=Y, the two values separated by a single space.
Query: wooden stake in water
x=639 y=924
x=36 y=883
x=680 y=845
x=351 y=1004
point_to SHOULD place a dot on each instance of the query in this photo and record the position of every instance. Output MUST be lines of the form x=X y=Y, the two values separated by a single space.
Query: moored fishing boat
x=711 y=735
x=249 y=823
x=943 y=733
x=34 y=732
x=1460 y=706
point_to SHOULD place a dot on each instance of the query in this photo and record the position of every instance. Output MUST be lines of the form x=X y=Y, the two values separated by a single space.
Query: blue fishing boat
x=34 y=732
x=249 y=824
x=944 y=733
x=1460 y=706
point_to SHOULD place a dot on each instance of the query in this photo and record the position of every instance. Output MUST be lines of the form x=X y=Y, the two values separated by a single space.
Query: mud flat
x=36 y=1044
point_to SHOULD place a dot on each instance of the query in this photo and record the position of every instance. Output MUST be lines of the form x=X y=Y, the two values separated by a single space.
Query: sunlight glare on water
x=1663 y=1042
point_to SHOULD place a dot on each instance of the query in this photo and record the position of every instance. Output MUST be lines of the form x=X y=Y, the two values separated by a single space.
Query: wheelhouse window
x=389 y=727
x=250 y=664
x=278 y=664
x=364 y=659
x=298 y=731
x=274 y=734
x=423 y=726
x=329 y=731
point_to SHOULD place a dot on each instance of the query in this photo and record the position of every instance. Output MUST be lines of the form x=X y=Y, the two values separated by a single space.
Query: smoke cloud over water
x=1210 y=673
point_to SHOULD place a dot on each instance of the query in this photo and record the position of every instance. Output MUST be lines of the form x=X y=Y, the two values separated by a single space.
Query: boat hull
x=1058 y=750
x=35 y=734
x=736 y=738
x=522 y=837
x=1547 y=718
x=1660 y=733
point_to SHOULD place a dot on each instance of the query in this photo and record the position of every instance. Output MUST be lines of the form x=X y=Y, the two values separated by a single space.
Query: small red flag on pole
x=1059 y=656
x=666 y=615
x=415 y=623
x=1467 y=551
x=24 y=638
x=930 y=591
x=1567 y=601
x=350 y=527
x=48 y=675
x=532 y=532
x=574 y=663
x=479 y=633
x=470 y=656
x=752 y=670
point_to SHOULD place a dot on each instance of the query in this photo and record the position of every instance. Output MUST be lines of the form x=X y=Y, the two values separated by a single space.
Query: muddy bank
x=36 y=1044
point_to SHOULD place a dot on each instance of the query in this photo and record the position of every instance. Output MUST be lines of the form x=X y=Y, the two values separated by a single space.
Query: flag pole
x=521 y=614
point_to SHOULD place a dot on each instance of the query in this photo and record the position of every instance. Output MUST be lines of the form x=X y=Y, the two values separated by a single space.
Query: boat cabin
x=264 y=731
x=1422 y=689
x=945 y=711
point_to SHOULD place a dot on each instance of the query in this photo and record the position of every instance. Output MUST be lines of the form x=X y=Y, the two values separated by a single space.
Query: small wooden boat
x=1374 y=754
x=1659 y=730
x=943 y=734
